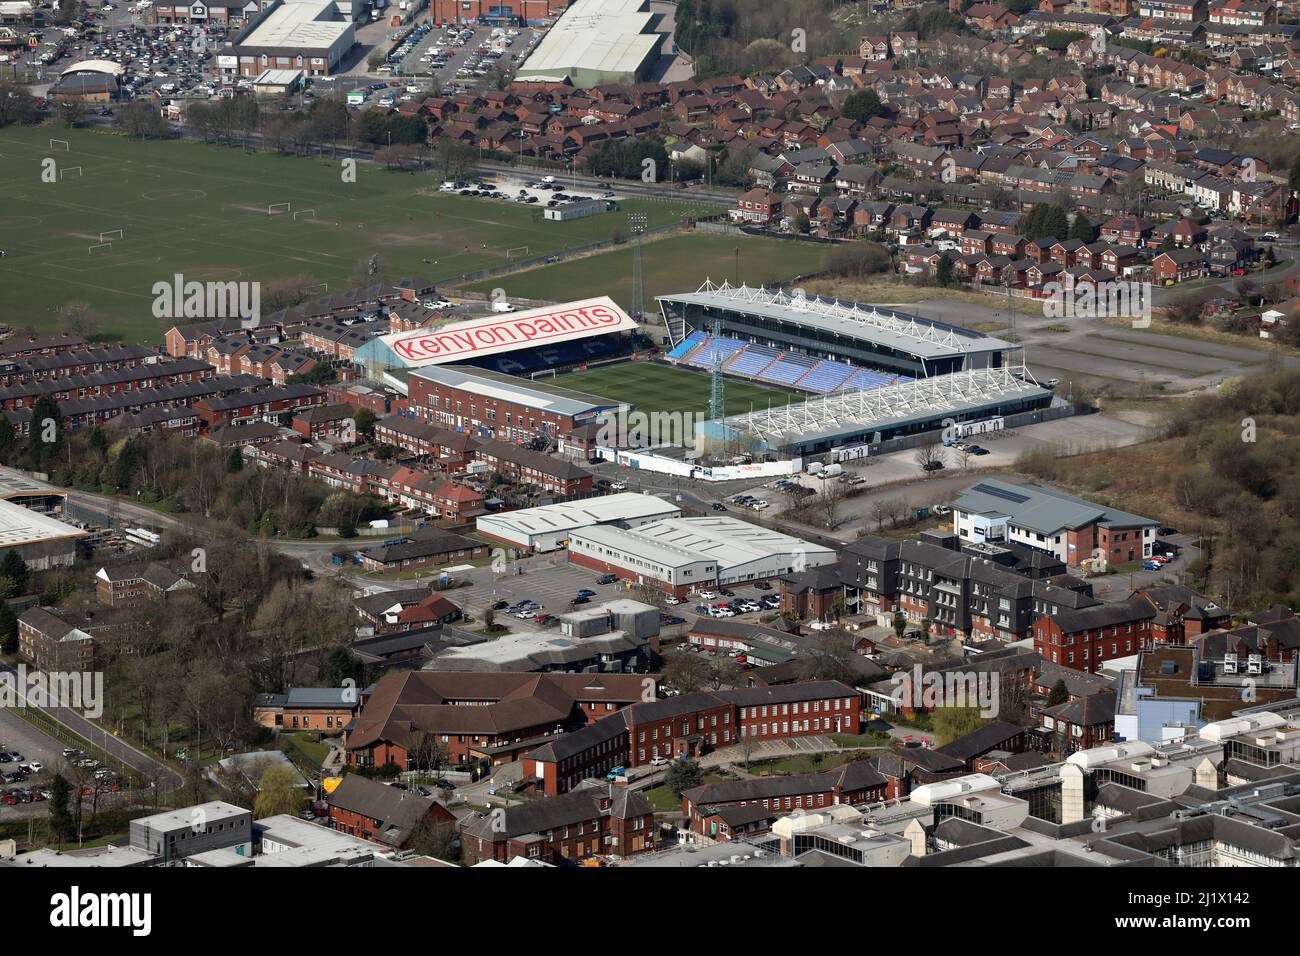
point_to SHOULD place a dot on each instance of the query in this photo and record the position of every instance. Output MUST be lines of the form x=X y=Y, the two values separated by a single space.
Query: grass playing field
x=676 y=263
x=660 y=388
x=201 y=211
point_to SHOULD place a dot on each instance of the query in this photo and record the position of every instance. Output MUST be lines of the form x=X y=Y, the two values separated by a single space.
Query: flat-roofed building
x=679 y=555
x=547 y=527
x=307 y=35
x=597 y=42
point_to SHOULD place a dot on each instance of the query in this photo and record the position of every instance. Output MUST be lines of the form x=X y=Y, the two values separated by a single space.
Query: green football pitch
x=661 y=388
x=202 y=211
x=675 y=263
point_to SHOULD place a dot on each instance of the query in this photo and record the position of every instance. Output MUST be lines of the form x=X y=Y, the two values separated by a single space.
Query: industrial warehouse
x=595 y=43
x=681 y=555
x=548 y=527
x=308 y=35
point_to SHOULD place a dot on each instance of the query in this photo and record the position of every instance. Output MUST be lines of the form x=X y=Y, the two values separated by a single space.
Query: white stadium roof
x=902 y=331
x=840 y=413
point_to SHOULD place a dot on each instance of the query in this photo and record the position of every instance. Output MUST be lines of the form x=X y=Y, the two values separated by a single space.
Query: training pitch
x=216 y=213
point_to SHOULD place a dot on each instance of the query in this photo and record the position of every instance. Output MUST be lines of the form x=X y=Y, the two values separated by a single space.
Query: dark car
x=718 y=507
x=932 y=466
x=500 y=605
x=725 y=593
x=586 y=592
x=607 y=579
x=978 y=450
x=669 y=621
x=581 y=600
x=763 y=586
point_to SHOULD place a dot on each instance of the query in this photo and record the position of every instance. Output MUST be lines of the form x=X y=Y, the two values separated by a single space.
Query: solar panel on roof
x=1001 y=493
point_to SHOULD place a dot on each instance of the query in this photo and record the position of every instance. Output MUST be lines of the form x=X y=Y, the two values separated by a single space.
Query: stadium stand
x=788 y=369
x=713 y=350
x=686 y=346
x=751 y=361
x=826 y=376
x=767 y=364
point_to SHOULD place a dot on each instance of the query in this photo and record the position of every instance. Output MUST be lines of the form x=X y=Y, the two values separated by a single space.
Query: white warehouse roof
x=571 y=515
x=729 y=542
x=597 y=36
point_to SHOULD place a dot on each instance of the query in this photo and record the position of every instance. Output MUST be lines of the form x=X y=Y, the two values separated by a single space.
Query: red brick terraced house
x=1085 y=639
x=374 y=811
x=589 y=822
x=731 y=808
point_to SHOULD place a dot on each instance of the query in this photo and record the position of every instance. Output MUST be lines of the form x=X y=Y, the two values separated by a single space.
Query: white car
x=658 y=761
x=672 y=600
x=36 y=766
x=708 y=595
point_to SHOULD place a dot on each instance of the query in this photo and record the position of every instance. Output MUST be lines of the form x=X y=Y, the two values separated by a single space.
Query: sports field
x=201 y=211
x=675 y=263
x=660 y=388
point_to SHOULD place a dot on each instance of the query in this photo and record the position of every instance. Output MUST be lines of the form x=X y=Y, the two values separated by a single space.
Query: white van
x=502 y=307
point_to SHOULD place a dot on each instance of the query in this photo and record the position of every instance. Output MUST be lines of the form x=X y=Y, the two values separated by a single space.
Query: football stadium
x=765 y=373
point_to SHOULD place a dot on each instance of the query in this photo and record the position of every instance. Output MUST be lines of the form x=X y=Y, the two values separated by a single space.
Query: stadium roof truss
x=847 y=411
x=884 y=320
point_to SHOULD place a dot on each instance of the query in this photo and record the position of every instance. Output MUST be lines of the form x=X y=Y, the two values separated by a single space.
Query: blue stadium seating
x=826 y=376
x=788 y=369
x=713 y=350
x=752 y=360
x=684 y=347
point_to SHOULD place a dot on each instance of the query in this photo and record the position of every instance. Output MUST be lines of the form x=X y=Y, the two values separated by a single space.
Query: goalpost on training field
x=510 y=253
x=61 y=142
x=304 y=212
x=281 y=206
x=102 y=245
x=111 y=234
x=67 y=169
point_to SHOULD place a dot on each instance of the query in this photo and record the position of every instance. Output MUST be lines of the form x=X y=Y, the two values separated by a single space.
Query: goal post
x=521 y=250
x=111 y=234
x=54 y=143
x=273 y=208
x=70 y=169
x=102 y=245
x=544 y=373
x=304 y=212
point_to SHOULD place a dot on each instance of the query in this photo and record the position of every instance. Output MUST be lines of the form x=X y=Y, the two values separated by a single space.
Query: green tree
x=14 y=568
x=339 y=665
x=8 y=441
x=862 y=106
x=46 y=432
x=1083 y=229
x=953 y=722
x=278 y=792
x=60 y=812
x=943 y=271
x=1293 y=178
x=8 y=626
x=1059 y=694
x=365 y=422
x=234 y=461
x=683 y=775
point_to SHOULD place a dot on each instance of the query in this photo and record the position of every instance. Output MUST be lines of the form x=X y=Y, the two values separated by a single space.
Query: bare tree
x=929 y=457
